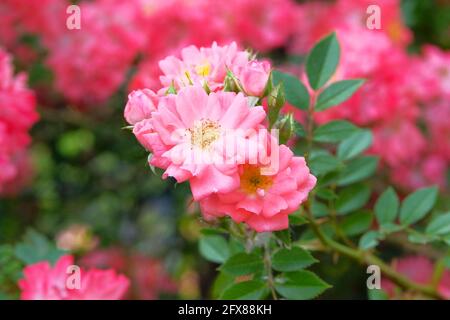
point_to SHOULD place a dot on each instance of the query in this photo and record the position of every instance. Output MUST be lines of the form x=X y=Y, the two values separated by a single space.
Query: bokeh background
x=81 y=183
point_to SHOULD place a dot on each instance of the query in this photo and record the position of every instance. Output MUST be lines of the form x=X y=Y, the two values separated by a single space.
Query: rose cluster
x=205 y=126
x=17 y=116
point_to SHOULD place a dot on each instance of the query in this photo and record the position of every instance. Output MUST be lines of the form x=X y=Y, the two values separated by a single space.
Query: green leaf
x=247 y=290
x=377 y=294
x=214 y=248
x=416 y=205
x=318 y=209
x=440 y=225
x=295 y=92
x=337 y=93
x=386 y=207
x=35 y=247
x=300 y=285
x=334 y=131
x=243 y=263
x=322 y=164
x=354 y=145
x=222 y=282
x=419 y=238
x=356 y=223
x=292 y=260
x=369 y=240
x=322 y=61
x=352 y=198
x=284 y=236
x=358 y=169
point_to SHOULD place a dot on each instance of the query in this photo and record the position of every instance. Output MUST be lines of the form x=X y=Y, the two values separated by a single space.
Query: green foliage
x=354 y=145
x=242 y=264
x=358 y=169
x=417 y=205
x=322 y=61
x=334 y=131
x=386 y=207
x=292 y=260
x=294 y=91
x=352 y=198
x=35 y=247
x=300 y=285
x=247 y=290
x=214 y=248
x=337 y=93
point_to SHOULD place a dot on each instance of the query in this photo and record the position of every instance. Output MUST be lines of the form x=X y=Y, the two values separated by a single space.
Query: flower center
x=252 y=180
x=204 y=133
x=203 y=69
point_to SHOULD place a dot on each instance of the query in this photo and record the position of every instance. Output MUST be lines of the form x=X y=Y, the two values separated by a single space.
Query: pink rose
x=254 y=77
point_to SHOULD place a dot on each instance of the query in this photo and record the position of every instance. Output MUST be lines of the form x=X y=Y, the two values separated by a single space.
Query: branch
x=367 y=258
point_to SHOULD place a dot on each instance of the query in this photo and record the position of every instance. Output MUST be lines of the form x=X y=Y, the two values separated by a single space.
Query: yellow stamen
x=204 y=133
x=252 y=180
x=203 y=69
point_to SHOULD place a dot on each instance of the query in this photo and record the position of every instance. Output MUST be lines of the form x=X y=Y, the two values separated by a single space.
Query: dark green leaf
x=369 y=240
x=356 y=223
x=292 y=260
x=295 y=92
x=440 y=225
x=354 y=145
x=243 y=263
x=323 y=164
x=300 y=285
x=358 y=169
x=214 y=248
x=386 y=207
x=337 y=93
x=352 y=198
x=416 y=205
x=322 y=61
x=334 y=131
x=247 y=290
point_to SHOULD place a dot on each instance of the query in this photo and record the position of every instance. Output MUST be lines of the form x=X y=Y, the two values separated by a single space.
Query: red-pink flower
x=192 y=128
x=43 y=282
x=17 y=116
x=264 y=201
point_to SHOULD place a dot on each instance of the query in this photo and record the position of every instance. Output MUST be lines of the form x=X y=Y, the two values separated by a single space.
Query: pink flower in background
x=41 y=281
x=91 y=63
x=420 y=270
x=263 y=25
x=147 y=275
x=389 y=143
x=17 y=116
x=202 y=66
x=193 y=125
x=264 y=201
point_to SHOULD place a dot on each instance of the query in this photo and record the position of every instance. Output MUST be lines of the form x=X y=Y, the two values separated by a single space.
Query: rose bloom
x=189 y=133
x=41 y=281
x=420 y=270
x=202 y=66
x=254 y=77
x=264 y=201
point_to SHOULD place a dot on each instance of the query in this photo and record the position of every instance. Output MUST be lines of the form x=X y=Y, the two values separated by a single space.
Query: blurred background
x=74 y=179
